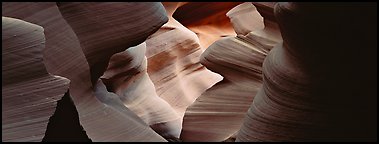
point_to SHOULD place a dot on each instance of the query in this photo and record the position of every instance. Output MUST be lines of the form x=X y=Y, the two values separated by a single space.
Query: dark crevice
x=173 y=139
x=64 y=125
x=194 y=13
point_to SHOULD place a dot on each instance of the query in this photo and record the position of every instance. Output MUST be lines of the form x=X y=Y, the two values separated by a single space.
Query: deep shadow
x=64 y=125
x=338 y=43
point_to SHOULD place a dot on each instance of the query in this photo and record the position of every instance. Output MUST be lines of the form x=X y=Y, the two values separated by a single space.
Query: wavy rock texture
x=218 y=113
x=173 y=64
x=310 y=88
x=29 y=92
x=127 y=76
x=64 y=56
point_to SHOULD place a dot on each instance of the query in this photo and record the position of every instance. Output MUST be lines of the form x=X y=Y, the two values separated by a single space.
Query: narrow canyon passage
x=189 y=71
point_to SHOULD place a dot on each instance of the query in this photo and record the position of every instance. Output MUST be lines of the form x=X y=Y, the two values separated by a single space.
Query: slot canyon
x=189 y=72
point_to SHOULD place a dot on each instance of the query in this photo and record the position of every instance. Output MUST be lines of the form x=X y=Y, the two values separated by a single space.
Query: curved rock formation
x=310 y=88
x=218 y=113
x=65 y=57
x=29 y=92
x=173 y=64
x=90 y=22
x=122 y=25
x=318 y=85
x=127 y=76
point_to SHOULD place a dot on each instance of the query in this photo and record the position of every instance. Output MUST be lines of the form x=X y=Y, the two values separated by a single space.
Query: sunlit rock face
x=173 y=54
x=29 y=92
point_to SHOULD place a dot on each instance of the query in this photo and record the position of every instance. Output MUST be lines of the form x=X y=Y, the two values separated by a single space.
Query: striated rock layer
x=173 y=54
x=218 y=113
x=29 y=92
x=62 y=55
x=61 y=42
